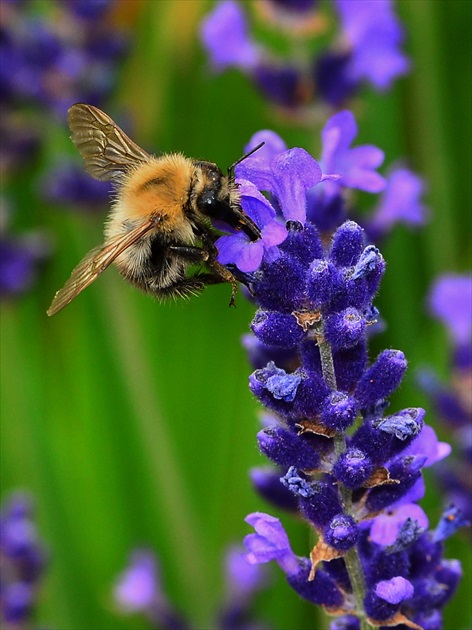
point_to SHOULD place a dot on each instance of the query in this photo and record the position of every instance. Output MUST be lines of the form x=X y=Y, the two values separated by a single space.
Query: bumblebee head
x=219 y=199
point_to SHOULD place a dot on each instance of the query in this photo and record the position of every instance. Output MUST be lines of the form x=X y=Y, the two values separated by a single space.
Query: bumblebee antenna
x=246 y=155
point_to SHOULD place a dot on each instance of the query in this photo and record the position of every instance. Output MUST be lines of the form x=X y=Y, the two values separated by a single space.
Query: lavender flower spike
x=356 y=492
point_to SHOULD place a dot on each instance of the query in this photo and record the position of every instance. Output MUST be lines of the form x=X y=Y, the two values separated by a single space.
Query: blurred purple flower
x=22 y=561
x=20 y=261
x=138 y=587
x=450 y=301
x=373 y=34
x=224 y=34
x=400 y=203
x=67 y=184
x=88 y=9
x=242 y=579
x=356 y=166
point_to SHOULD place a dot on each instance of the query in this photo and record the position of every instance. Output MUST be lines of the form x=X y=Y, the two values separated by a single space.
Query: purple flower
x=271 y=175
x=386 y=526
x=224 y=34
x=374 y=35
x=451 y=520
x=20 y=261
x=315 y=300
x=394 y=590
x=138 y=587
x=450 y=301
x=270 y=542
x=68 y=184
x=242 y=579
x=400 y=203
x=88 y=9
x=287 y=175
x=237 y=248
x=427 y=444
x=139 y=590
x=22 y=560
x=273 y=145
x=356 y=166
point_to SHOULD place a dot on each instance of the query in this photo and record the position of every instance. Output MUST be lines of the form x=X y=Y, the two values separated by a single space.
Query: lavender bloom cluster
x=366 y=48
x=22 y=563
x=49 y=62
x=351 y=470
x=450 y=301
x=322 y=193
x=139 y=590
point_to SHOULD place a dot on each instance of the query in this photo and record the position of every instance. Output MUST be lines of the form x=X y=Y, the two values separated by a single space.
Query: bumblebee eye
x=212 y=206
x=221 y=209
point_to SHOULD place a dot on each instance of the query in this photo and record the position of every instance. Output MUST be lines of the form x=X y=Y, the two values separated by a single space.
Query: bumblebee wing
x=95 y=263
x=105 y=148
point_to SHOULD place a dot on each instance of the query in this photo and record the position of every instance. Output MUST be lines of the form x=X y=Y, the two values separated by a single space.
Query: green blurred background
x=131 y=422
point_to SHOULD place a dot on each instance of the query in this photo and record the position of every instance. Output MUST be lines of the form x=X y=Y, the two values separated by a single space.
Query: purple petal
x=294 y=172
x=427 y=443
x=230 y=247
x=255 y=204
x=274 y=233
x=355 y=166
x=395 y=590
x=250 y=257
x=337 y=135
x=401 y=201
x=450 y=301
x=224 y=34
x=269 y=543
x=273 y=144
x=385 y=526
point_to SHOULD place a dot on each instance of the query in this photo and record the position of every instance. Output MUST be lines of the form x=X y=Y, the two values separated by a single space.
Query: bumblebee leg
x=224 y=275
x=190 y=254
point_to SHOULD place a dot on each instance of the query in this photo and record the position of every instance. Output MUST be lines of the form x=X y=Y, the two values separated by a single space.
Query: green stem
x=352 y=559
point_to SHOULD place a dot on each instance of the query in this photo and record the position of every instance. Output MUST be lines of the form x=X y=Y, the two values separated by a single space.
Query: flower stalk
x=352 y=559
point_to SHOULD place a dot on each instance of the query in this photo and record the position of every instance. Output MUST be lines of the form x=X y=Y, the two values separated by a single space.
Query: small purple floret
x=270 y=542
x=450 y=301
x=395 y=590
x=356 y=166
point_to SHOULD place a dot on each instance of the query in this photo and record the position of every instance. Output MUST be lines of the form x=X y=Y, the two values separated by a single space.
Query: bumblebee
x=159 y=223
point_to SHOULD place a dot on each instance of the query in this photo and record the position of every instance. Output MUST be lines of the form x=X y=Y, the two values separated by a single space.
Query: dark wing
x=95 y=263
x=106 y=149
